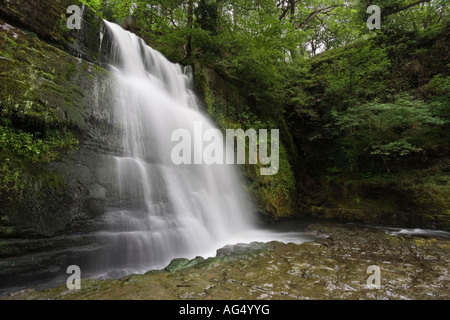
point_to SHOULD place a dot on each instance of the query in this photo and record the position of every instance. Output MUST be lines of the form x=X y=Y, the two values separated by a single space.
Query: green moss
x=6 y=231
x=42 y=87
x=416 y=197
x=274 y=194
x=22 y=152
x=422 y=242
x=12 y=181
x=29 y=148
x=9 y=46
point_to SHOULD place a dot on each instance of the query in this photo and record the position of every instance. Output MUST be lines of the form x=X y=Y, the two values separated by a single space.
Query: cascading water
x=164 y=210
x=167 y=211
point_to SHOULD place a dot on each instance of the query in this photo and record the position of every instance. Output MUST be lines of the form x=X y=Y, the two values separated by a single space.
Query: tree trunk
x=190 y=19
x=292 y=5
x=219 y=15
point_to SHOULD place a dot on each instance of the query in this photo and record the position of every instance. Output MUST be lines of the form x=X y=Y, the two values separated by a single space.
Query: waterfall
x=166 y=210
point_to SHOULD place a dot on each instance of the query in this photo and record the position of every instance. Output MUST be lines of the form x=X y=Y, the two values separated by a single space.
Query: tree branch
x=286 y=8
x=394 y=9
x=283 y=14
x=317 y=11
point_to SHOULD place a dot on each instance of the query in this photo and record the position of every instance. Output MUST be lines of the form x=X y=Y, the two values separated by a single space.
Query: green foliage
x=206 y=14
x=31 y=148
x=355 y=74
x=261 y=43
x=389 y=131
x=12 y=181
x=396 y=148
x=96 y=5
x=20 y=151
x=438 y=91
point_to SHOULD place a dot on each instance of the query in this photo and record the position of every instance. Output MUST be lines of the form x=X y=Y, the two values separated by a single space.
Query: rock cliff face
x=46 y=87
x=420 y=205
x=48 y=20
x=53 y=78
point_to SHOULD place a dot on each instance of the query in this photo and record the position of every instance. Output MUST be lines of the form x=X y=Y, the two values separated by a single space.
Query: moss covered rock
x=44 y=89
x=418 y=198
x=48 y=20
x=57 y=136
x=274 y=195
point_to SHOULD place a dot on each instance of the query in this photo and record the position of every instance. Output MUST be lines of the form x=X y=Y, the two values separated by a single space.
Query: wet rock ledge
x=335 y=267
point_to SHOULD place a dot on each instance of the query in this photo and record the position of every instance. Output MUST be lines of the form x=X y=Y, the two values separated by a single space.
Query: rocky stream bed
x=333 y=267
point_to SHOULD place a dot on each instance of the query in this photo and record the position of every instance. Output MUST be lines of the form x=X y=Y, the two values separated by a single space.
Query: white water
x=416 y=232
x=168 y=210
